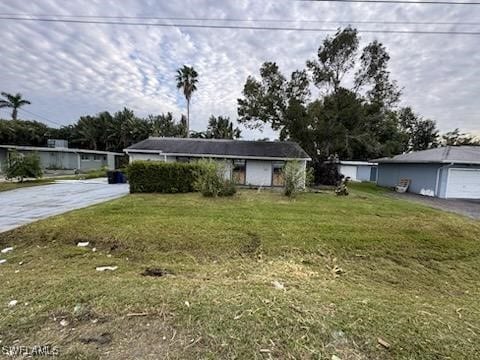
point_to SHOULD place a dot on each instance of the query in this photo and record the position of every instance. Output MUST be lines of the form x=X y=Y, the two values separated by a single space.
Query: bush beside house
x=295 y=178
x=162 y=177
x=21 y=166
x=211 y=180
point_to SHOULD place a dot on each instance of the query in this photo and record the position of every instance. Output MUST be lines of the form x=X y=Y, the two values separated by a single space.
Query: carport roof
x=445 y=154
x=220 y=148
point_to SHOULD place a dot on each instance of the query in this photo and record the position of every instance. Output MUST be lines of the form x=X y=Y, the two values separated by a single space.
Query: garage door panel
x=349 y=171
x=463 y=184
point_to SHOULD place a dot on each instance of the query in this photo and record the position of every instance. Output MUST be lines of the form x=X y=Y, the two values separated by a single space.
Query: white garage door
x=463 y=183
x=349 y=170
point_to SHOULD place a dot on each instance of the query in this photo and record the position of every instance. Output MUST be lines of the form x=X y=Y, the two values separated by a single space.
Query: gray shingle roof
x=446 y=154
x=217 y=147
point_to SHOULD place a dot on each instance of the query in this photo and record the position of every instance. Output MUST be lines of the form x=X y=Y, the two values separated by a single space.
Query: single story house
x=445 y=172
x=358 y=170
x=60 y=157
x=256 y=163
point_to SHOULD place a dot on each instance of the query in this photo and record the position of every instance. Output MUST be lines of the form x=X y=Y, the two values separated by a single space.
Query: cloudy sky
x=67 y=70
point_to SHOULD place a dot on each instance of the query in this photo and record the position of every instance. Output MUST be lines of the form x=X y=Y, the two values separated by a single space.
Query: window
x=97 y=157
x=277 y=173
x=85 y=157
x=239 y=172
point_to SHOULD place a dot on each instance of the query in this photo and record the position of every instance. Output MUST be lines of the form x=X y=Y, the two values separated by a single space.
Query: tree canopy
x=356 y=113
x=456 y=138
x=221 y=128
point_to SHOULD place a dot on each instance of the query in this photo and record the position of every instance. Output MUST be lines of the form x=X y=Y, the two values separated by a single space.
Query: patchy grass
x=12 y=185
x=354 y=269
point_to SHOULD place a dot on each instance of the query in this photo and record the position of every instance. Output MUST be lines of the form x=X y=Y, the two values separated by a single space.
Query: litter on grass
x=2 y=261
x=83 y=244
x=107 y=268
x=278 y=285
x=383 y=343
x=6 y=250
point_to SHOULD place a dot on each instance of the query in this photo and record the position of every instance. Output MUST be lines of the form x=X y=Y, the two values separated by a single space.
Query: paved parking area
x=26 y=205
x=470 y=208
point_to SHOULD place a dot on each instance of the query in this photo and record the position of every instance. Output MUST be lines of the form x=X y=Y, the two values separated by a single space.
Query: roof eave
x=460 y=162
x=160 y=152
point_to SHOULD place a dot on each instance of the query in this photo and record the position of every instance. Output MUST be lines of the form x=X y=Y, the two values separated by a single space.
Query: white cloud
x=68 y=70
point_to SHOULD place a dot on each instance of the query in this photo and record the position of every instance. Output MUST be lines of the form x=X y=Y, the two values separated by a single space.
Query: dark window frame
x=275 y=166
x=244 y=171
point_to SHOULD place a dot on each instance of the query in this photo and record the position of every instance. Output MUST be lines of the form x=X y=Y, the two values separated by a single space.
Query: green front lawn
x=354 y=269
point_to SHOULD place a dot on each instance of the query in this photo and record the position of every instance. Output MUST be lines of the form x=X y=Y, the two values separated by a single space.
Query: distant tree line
x=110 y=132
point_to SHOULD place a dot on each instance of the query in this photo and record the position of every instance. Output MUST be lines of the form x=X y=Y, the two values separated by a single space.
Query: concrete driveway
x=470 y=208
x=26 y=205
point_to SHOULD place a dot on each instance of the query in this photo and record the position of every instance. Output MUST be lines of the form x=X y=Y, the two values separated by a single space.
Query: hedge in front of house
x=162 y=177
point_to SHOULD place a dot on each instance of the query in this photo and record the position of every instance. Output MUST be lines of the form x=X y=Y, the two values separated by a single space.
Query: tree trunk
x=14 y=114
x=188 y=118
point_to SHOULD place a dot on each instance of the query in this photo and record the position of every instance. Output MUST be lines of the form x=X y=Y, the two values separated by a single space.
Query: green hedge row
x=162 y=177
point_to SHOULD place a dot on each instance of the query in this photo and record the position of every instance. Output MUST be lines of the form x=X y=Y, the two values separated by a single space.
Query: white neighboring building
x=60 y=157
x=358 y=170
x=256 y=163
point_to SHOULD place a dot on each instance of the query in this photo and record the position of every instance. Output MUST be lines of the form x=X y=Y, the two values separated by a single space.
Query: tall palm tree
x=187 y=79
x=14 y=102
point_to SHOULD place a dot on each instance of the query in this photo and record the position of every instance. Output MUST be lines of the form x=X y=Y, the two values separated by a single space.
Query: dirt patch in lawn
x=156 y=272
x=127 y=337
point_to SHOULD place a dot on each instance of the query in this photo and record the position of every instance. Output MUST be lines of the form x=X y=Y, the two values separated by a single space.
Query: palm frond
x=5 y=103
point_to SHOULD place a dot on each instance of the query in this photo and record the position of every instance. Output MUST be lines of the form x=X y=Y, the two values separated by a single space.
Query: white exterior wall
x=110 y=162
x=146 y=156
x=228 y=168
x=348 y=170
x=259 y=173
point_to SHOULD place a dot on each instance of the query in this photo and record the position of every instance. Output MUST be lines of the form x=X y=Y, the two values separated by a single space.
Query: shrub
x=23 y=166
x=294 y=175
x=211 y=180
x=162 y=177
x=229 y=188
